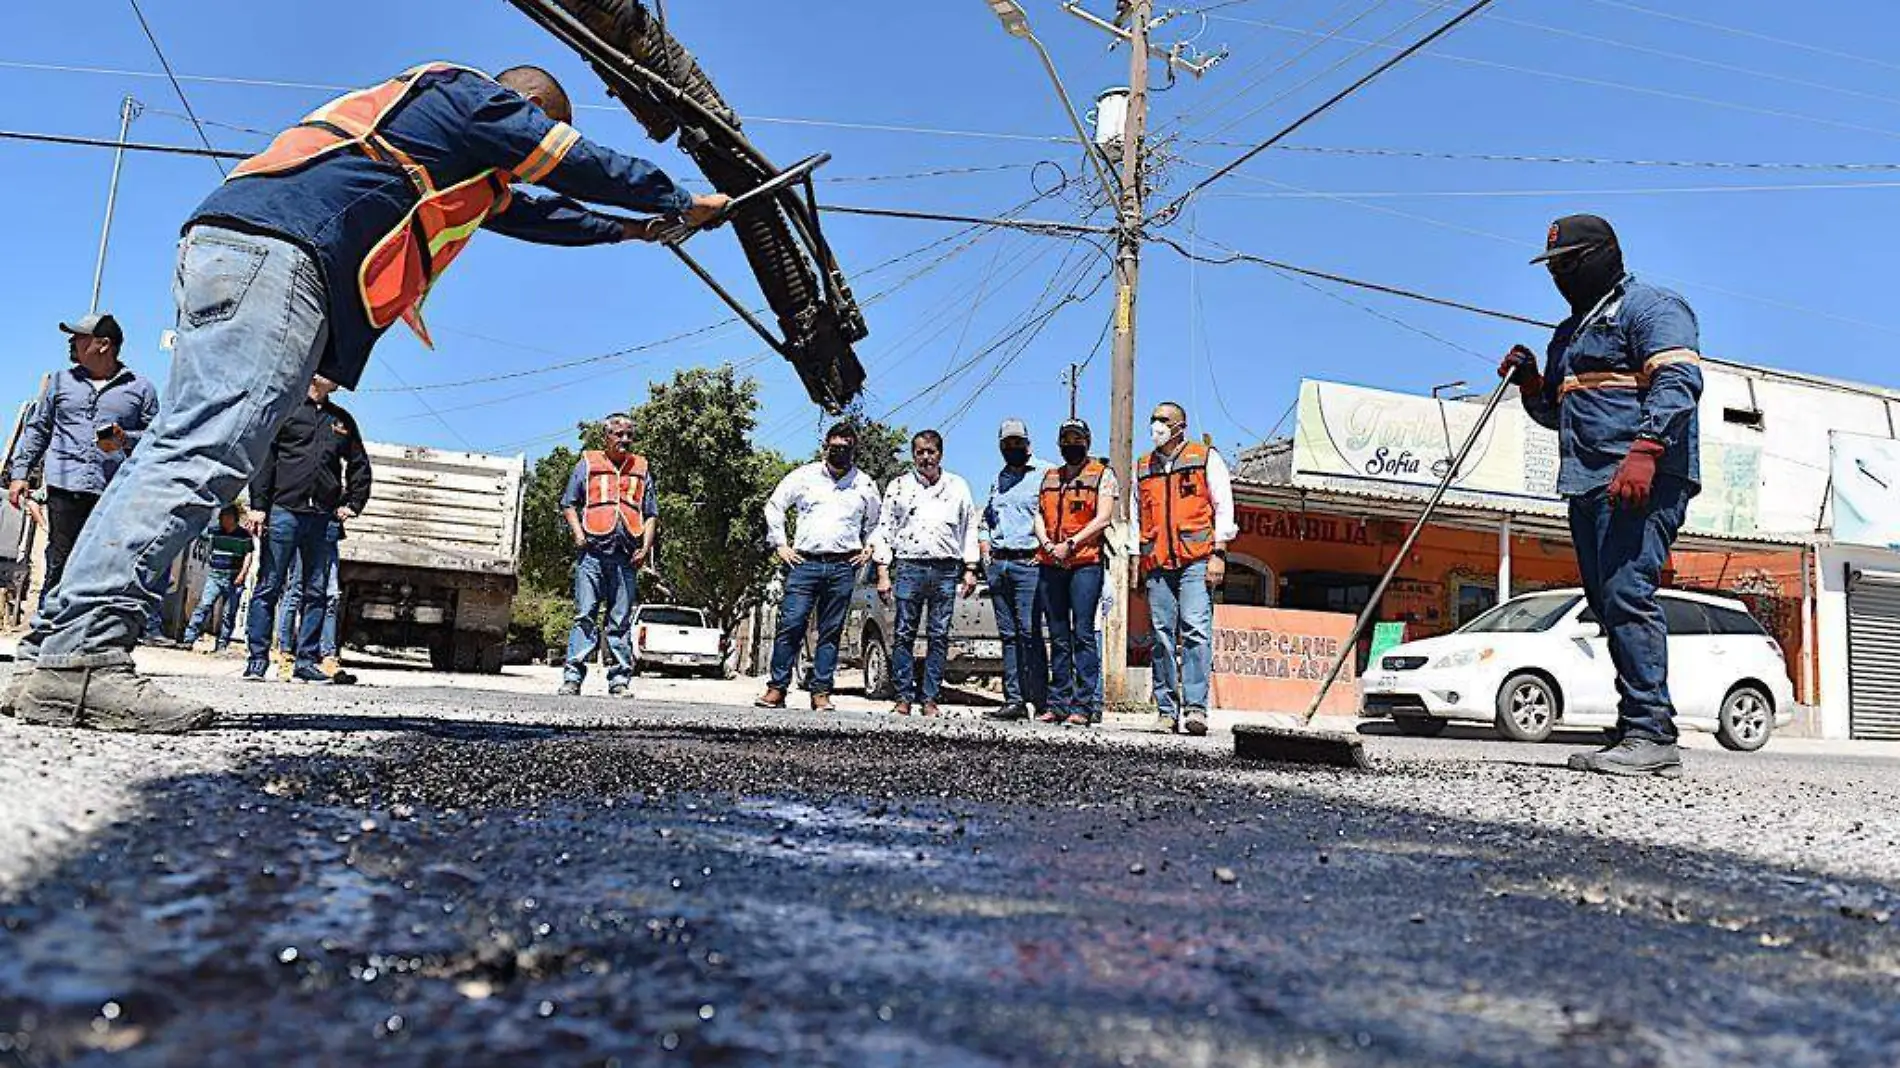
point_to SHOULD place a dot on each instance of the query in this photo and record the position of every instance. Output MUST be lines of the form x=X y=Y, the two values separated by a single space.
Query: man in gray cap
x=87 y=420
x=1010 y=547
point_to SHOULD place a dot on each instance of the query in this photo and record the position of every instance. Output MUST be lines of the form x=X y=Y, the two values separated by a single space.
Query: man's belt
x=829 y=558
x=1012 y=554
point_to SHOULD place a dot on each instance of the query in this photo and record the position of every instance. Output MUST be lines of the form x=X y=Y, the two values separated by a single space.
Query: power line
x=1482 y=194
x=129 y=146
x=1751 y=34
x=1041 y=226
x=1358 y=283
x=1327 y=104
x=177 y=88
x=1312 y=79
x=1594 y=161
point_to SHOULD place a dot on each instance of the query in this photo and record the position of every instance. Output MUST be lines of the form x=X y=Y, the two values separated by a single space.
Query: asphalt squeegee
x=1302 y=745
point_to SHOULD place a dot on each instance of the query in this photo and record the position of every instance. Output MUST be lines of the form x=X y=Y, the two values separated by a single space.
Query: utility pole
x=1074 y=381
x=1121 y=430
x=128 y=110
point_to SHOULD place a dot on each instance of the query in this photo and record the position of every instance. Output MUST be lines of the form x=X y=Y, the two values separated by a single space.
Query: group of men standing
x=1041 y=539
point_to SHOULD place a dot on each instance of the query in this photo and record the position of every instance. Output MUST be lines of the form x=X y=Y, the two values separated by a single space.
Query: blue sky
x=1792 y=277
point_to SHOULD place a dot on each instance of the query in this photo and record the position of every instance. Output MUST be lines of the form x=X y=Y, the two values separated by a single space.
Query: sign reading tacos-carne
x=1266 y=654
x=1273 y=659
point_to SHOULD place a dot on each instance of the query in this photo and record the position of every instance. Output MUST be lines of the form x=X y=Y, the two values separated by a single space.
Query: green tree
x=696 y=433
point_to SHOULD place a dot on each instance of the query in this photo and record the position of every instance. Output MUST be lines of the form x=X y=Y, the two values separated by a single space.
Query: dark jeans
x=1013 y=591
x=1621 y=552
x=1070 y=599
x=305 y=537
x=920 y=585
x=814 y=586
x=66 y=515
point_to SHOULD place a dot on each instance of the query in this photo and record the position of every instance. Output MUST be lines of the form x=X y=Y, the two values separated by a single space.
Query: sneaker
x=1015 y=710
x=1633 y=756
x=619 y=689
x=109 y=698
x=313 y=676
x=569 y=689
x=256 y=670
x=340 y=677
x=1195 y=722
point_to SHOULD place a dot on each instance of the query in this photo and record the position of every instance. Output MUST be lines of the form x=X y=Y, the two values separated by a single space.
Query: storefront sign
x=1866 y=490
x=1355 y=439
x=1273 y=660
x=1293 y=526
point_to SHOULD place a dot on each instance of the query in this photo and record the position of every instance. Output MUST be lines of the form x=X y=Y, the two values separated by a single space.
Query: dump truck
x=432 y=562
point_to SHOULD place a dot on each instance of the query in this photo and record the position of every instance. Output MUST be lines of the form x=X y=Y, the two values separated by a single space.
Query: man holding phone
x=88 y=419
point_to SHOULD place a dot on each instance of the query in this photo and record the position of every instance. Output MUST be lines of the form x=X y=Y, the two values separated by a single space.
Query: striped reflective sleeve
x=547 y=155
x=1669 y=358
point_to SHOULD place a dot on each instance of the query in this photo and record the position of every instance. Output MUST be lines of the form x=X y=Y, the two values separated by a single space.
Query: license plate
x=1381 y=683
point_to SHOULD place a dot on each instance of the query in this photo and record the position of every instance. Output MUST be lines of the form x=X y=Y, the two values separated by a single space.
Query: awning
x=1528 y=518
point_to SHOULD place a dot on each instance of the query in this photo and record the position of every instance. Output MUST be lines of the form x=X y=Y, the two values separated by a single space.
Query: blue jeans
x=293 y=601
x=219 y=586
x=155 y=619
x=1070 y=599
x=1181 y=613
x=609 y=581
x=252 y=325
x=1621 y=553
x=1014 y=586
x=817 y=586
x=921 y=585
x=298 y=536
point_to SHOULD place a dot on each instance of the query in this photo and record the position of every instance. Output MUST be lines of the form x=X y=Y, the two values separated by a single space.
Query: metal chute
x=778 y=227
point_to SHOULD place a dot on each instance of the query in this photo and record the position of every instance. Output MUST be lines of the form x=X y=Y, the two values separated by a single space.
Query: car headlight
x=1463 y=658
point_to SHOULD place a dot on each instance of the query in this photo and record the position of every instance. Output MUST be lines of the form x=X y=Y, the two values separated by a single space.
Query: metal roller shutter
x=1873 y=655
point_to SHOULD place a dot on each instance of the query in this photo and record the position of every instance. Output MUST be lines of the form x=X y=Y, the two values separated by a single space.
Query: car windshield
x=672 y=617
x=1526 y=615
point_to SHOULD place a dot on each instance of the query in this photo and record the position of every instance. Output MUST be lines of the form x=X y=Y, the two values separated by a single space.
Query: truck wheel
x=477 y=653
x=442 y=656
x=877 y=669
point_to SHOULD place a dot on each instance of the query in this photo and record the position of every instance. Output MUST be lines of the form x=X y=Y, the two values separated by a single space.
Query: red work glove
x=1520 y=366
x=1636 y=474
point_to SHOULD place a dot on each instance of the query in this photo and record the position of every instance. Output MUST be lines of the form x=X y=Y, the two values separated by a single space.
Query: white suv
x=1540 y=661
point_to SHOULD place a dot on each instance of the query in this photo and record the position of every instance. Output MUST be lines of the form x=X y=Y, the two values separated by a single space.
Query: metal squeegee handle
x=1349 y=650
x=677 y=229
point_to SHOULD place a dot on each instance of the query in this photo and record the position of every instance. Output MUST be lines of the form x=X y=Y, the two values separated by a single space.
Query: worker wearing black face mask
x=1077 y=508
x=1009 y=545
x=1620 y=385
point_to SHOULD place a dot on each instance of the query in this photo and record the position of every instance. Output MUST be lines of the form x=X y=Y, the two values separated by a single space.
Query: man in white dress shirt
x=837 y=507
x=925 y=543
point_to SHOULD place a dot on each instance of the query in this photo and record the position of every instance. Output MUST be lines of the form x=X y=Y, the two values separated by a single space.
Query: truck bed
x=447 y=511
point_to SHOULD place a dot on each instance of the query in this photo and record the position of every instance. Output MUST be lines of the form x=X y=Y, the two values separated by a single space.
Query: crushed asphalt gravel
x=446 y=876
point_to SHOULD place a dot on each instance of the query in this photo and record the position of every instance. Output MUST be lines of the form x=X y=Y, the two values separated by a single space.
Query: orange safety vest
x=1177 y=510
x=397 y=273
x=1068 y=506
x=615 y=495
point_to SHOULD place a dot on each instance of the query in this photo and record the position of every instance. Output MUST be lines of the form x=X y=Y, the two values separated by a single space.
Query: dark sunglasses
x=1569 y=261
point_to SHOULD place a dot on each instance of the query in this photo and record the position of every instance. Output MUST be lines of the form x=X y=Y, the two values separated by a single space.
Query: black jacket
x=305 y=470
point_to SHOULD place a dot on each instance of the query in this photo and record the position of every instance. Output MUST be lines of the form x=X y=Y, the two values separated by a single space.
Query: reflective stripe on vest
x=1068 y=506
x=1177 y=509
x=616 y=496
x=1589 y=380
x=396 y=275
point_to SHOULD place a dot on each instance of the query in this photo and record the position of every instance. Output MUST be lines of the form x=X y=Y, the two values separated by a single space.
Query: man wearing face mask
x=1620 y=385
x=613 y=513
x=926 y=548
x=1077 y=508
x=1010 y=549
x=838 y=508
x=1185 y=498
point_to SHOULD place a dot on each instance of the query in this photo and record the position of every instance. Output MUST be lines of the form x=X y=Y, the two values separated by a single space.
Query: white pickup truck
x=668 y=637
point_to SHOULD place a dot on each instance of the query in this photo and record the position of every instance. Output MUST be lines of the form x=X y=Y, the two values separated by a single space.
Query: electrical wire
x=176 y=88
x=1337 y=65
x=1750 y=34
x=1487 y=194
x=1326 y=105
x=1593 y=161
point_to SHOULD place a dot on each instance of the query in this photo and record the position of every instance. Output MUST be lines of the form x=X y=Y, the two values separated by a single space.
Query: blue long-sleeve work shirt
x=63 y=428
x=1630 y=370
x=456 y=123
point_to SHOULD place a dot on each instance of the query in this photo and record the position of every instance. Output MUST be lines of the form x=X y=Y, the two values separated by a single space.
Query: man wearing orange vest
x=614 y=515
x=295 y=266
x=1077 y=508
x=1185 y=498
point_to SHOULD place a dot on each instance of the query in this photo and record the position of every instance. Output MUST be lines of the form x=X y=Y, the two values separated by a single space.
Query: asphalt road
x=422 y=874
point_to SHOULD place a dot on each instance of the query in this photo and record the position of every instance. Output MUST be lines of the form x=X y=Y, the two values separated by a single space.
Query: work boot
x=774 y=698
x=821 y=702
x=1077 y=719
x=1164 y=723
x=1012 y=710
x=1633 y=756
x=930 y=708
x=1195 y=722
x=109 y=698
x=569 y=688
x=286 y=666
x=15 y=686
x=619 y=689
x=331 y=665
x=1048 y=715
x=901 y=708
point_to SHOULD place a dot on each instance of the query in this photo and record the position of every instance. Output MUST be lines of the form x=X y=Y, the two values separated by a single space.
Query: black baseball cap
x=104 y=326
x=1573 y=233
x=1075 y=426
